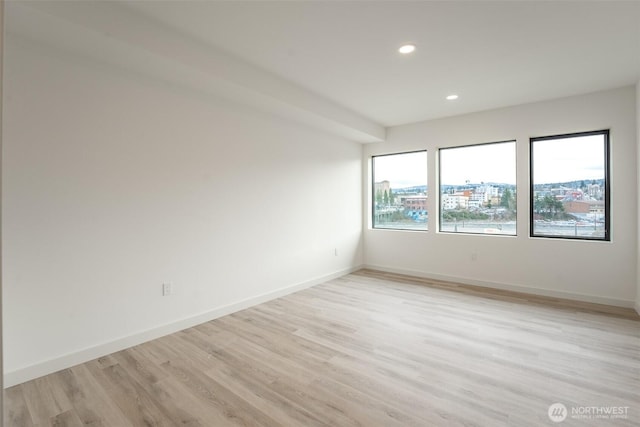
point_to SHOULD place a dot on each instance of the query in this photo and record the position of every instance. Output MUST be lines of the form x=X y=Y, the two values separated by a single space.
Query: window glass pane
x=478 y=189
x=400 y=191
x=569 y=183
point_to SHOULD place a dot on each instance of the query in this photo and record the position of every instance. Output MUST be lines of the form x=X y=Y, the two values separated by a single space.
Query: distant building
x=482 y=195
x=582 y=207
x=478 y=199
x=382 y=186
x=414 y=203
x=475 y=204
x=594 y=191
x=488 y=190
x=455 y=201
x=573 y=195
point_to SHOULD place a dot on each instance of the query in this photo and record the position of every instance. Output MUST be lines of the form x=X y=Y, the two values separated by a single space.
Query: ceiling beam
x=112 y=32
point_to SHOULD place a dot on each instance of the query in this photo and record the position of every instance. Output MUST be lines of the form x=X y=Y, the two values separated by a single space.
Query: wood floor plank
x=185 y=407
x=91 y=401
x=67 y=419
x=260 y=393
x=367 y=349
x=132 y=399
x=217 y=397
x=44 y=400
x=16 y=410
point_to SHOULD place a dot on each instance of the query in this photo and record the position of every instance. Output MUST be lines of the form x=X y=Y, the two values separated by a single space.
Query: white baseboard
x=19 y=376
x=510 y=287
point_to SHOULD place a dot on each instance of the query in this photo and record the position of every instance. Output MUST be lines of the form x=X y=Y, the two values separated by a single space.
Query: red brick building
x=415 y=203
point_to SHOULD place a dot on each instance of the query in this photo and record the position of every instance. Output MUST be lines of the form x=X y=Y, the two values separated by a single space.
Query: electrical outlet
x=167 y=289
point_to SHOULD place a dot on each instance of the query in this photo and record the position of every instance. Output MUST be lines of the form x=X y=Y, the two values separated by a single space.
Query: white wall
x=592 y=271
x=1 y=345
x=637 y=305
x=114 y=184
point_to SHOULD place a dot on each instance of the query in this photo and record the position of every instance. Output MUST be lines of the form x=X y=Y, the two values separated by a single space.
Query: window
x=399 y=199
x=478 y=189
x=570 y=186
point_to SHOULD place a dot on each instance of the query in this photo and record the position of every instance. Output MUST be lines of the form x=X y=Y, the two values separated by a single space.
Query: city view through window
x=569 y=183
x=569 y=188
x=478 y=189
x=400 y=191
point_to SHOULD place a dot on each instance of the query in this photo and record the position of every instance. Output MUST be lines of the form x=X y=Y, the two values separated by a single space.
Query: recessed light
x=407 y=48
x=452 y=97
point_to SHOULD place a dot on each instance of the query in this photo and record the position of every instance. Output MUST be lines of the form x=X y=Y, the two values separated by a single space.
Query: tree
x=550 y=207
x=558 y=208
x=537 y=204
x=385 y=198
x=507 y=200
x=392 y=197
x=378 y=197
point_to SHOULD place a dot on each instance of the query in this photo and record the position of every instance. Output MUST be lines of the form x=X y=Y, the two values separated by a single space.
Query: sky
x=569 y=159
x=557 y=160
x=478 y=163
x=402 y=170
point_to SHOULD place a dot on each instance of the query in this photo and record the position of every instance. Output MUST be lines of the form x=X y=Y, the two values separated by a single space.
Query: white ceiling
x=493 y=54
x=338 y=60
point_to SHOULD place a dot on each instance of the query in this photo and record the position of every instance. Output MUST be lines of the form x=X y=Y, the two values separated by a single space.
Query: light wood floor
x=368 y=349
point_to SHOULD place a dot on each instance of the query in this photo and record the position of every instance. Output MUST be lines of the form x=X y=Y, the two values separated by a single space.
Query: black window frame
x=440 y=209
x=607 y=185
x=373 y=191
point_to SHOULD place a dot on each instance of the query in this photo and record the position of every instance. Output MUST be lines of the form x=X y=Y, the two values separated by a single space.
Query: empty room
x=320 y=213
